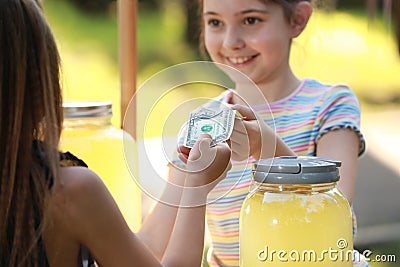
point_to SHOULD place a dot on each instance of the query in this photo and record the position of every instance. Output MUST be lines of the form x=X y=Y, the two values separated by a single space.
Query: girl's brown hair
x=30 y=114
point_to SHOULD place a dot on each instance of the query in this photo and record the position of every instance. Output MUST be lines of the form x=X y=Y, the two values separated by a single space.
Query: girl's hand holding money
x=251 y=136
x=205 y=164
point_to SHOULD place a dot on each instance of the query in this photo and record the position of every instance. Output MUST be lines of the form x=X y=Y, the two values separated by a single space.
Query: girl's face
x=251 y=36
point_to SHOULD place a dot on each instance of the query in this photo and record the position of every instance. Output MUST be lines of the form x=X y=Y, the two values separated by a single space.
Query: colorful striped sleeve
x=340 y=109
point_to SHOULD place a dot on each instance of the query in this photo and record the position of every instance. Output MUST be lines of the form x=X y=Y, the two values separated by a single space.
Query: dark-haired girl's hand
x=205 y=162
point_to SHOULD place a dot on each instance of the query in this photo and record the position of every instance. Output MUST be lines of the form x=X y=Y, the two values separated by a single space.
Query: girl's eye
x=251 y=20
x=214 y=23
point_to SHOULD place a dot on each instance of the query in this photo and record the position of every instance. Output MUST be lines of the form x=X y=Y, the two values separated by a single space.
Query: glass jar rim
x=87 y=109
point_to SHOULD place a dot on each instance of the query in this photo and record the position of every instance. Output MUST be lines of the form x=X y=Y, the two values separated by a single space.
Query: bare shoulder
x=74 y=180
x=86 y=213
x=80 y=196
x=83 y=211
x=77 y=184
x=80 y=191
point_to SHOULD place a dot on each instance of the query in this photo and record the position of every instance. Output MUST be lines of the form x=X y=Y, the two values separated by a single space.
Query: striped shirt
x=299 y=119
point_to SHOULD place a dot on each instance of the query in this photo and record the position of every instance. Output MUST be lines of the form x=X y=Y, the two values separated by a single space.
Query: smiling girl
x=309 y=117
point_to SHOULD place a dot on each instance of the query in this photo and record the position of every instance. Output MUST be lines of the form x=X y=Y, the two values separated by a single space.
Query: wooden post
x=396 y=20
x=127 y=10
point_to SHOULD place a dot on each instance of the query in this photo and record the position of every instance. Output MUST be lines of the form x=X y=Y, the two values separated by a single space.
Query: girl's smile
x=240 y=60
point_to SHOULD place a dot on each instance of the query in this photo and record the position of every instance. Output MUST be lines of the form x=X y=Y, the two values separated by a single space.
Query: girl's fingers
x=229 y=143
x=239 y=138
x=240 y=126
x=183 y=153
x=245 y=112
x=183 y=157
x=183 y=150
x=202 y=145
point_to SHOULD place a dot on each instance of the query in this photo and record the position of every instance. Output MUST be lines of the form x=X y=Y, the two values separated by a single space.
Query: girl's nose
x=233 y=39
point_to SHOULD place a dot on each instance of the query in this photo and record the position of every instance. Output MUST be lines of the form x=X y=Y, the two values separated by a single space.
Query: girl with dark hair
x=52 y=212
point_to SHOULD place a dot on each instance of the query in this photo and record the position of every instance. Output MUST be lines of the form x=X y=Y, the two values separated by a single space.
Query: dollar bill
x=217 y=121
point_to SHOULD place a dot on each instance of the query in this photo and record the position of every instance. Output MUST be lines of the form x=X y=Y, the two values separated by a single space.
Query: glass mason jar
x=89 y=135
x=294 y=215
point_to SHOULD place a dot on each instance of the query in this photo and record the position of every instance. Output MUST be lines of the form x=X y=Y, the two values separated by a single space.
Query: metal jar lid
x=87 y=109
x=296 y=170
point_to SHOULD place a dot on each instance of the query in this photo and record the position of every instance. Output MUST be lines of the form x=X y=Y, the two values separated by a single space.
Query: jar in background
x=89 y=135
x=294 y=215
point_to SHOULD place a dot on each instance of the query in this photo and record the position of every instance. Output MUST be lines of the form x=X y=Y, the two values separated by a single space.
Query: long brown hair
x=30 y=114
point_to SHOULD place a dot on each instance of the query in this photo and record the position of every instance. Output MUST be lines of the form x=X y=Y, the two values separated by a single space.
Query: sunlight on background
x=340 y=47
x=88 y=48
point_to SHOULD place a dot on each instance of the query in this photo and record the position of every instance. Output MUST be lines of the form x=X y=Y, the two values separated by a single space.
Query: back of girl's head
x=30 y=109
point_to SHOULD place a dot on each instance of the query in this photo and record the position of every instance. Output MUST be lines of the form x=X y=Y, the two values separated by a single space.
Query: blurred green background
x=339 y=46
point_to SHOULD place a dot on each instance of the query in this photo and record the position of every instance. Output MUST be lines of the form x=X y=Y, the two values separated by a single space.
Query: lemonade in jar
x=294 y=215
x=89 y=135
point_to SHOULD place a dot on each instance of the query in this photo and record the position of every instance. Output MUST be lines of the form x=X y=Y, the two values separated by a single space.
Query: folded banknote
x=216 y=120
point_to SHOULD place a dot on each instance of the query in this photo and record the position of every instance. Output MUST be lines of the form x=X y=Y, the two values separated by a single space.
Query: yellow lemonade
x=296 y=225
x=101 y=146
